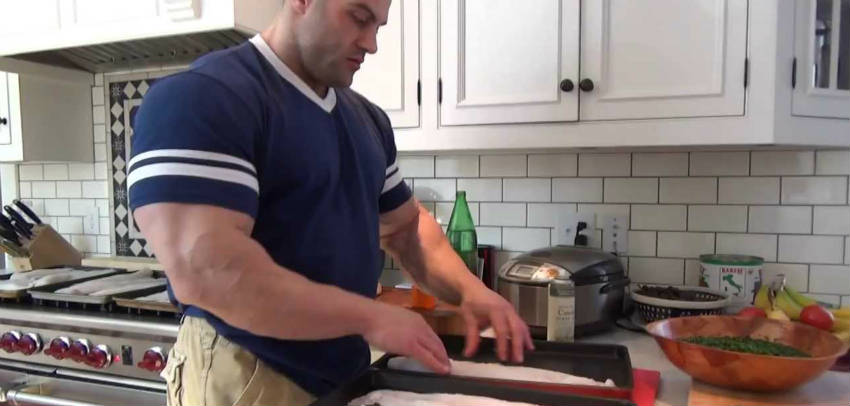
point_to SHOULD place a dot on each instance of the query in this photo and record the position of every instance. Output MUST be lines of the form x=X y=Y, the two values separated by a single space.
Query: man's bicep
x=397 y=219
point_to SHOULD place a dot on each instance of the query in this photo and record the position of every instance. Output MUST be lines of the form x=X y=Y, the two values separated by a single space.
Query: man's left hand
x=481 y=308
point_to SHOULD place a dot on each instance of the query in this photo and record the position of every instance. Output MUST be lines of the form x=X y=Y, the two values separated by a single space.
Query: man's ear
x=300 y=6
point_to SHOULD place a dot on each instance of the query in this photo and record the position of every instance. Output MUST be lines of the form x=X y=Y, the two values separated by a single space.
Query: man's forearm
x=424 y=251
x=234 y=278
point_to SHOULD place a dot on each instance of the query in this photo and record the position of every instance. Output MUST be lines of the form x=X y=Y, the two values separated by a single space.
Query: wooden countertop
x=444 y=318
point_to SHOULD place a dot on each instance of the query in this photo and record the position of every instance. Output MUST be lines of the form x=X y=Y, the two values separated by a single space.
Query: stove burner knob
x=99 y=357
x=58 y=348
x=29 y=344
x=9 y=341
x=79 y=350
x=153 y=360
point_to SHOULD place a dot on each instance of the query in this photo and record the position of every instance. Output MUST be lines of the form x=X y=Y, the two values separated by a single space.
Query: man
x=267 y=189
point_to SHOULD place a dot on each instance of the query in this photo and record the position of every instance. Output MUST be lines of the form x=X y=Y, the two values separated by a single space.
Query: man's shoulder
x=361 y=104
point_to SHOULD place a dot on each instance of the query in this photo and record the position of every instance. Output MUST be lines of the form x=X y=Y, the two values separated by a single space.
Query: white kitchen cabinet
x=662 y=58
x=45 y=118
x=500 y=63
x=390 y=77
x=822 y=59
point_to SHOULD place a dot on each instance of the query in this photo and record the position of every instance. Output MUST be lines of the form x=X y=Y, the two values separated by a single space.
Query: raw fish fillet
x=86 y=288
x=36 y=273
x=387 y=397
x=499 y=371
x=130 y=286
x=161 y=297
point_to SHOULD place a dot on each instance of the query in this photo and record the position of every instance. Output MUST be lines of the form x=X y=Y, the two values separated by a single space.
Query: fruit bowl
x=738 y=370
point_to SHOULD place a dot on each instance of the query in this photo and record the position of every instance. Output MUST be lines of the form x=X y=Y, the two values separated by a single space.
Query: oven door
x=74 y=388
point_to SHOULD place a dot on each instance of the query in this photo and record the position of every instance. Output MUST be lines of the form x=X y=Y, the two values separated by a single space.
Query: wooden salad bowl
x=738 y=370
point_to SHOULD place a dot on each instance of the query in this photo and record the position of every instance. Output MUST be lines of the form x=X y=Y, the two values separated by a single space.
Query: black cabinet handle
x=585 y=85
x=567 y=85
x=3 y=121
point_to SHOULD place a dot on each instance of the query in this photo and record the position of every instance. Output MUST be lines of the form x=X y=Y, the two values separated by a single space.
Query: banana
x=788 y=305
x=762 y=300
x=841 y=313
x=840 y=325
x=777 y=314
x=843 y=336
x=801 y=299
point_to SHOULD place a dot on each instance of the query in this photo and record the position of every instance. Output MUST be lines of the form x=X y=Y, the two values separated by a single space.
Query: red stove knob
x=79 y=350
x=58 y=348
x=9 y=341
x=153 y=360
x=99 y=357
x=29 y=344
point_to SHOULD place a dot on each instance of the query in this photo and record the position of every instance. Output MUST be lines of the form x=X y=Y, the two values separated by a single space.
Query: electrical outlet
x=565 y=225
x=91 y=221
x=615 y=233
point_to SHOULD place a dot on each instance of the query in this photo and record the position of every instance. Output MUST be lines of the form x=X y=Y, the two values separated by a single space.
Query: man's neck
x=284 y=47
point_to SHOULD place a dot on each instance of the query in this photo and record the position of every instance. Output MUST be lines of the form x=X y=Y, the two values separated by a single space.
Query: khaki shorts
x=205 y=368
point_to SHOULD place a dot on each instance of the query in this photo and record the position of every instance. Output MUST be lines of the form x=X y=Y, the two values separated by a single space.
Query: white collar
x=327 y=104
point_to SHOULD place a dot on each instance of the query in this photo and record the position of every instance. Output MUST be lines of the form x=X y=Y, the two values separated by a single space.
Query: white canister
x=739 y=276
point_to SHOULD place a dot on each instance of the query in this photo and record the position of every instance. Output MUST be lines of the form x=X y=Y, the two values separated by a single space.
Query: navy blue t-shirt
x=240 y=130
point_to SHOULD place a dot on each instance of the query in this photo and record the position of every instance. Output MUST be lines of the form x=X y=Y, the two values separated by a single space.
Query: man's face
x=334 y=36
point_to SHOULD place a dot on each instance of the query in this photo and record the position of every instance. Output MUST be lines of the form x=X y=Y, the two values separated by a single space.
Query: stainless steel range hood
x=115 y=56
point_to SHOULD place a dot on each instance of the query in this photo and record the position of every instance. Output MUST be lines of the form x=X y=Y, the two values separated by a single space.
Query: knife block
x=47 y=248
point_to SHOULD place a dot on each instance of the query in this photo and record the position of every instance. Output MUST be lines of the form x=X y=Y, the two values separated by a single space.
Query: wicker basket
x=653 y=308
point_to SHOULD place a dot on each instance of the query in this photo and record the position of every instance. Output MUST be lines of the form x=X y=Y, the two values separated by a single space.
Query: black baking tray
x=378 y=379
x=596 y=361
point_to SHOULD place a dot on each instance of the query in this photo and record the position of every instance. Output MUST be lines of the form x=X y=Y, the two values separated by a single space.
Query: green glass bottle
x=461 y=233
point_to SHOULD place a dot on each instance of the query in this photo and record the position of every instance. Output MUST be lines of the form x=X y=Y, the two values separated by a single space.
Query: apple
x=752 y=312
x=817 y=316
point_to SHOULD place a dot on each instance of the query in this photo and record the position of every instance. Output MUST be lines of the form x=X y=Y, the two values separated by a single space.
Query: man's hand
x=481 y=307
x=401 y=331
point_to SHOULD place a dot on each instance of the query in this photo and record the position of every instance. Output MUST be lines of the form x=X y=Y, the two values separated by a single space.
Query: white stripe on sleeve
x=392 y=181
x=391 y=168
x=193 y=170
x=190 y=153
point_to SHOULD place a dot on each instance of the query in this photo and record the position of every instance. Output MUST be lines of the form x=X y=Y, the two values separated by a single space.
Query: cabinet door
x=10 y=130
x=19 y=18
x=822 y=52
x=390 y=77
x=662 y=58
x=5 y=120
x=502 y=61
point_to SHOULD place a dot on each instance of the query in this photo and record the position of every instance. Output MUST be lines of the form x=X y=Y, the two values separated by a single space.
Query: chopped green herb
x=748 y=345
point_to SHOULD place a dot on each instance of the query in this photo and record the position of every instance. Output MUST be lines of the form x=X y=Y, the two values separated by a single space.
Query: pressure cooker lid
x=581 y=264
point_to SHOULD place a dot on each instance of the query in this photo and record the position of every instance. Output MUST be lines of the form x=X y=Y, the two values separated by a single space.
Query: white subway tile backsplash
x=816 y=249
x=604 y=164
x=814 y=190
x=602 y=210
x=630 y=190
x=104 y=245
x=579 y=190
x=70 y=225
x=660 y=164
x=830 y=279
x=796 y=275
x=91 y=224
x=832 y=220
x=84 y=243
x=416 y=166
x=753 y=190
x=98 y=79
x=720 y=163
x=833 y=162
x=98 y=114
x=781 y=219
x=456 y=166
x=24 y=190
x=56 y=207
x=847 y=250
x=30 y=172
x=502 y=214
x=100 y=171
x=82 y=171
x=43 y=189
x=69 y=189
x=489 y=236
x=443 y=212
x=717 y=218
x=524 y=239
x=642 y=243
x=104 y=226
x=555 y=165
x=546 y=214
x=527 y=190
x=56 y=172
x=833 y=300
x=760 y=245
x=666 y=271
x=494 y=166
x=692 y=272
x=783 y=163
x=99 y=152
x=96 y=189
x=481 y=190
x=659 y=217
x=684 y=245
x=80 y=207
x=102 y=207
x=688 y=190
x=97 y=95
x=37 y=205
x=99 y=133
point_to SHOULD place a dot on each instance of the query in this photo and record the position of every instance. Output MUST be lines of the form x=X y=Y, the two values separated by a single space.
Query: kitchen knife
x=13 y=249
x=22 y=230
x=6 y=224
x=31 y=214
x=17 y=218
x=10 y=235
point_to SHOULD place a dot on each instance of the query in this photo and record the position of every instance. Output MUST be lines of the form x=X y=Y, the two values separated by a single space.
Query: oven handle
x=15 y=397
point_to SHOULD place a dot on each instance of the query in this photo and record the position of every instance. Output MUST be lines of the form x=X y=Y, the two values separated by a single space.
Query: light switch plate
x=566 y=222
x=91 y=221
x=615 y=233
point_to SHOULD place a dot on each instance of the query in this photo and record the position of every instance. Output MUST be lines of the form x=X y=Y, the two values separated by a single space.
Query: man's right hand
x=400 y=331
